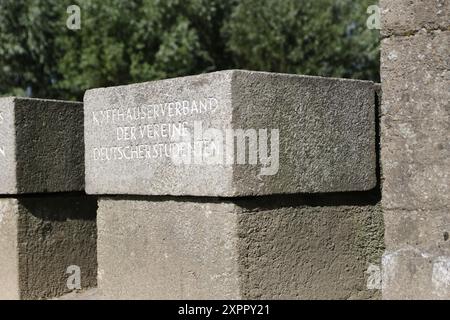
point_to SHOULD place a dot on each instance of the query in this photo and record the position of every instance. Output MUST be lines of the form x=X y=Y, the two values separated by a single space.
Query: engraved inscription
x=151 y=131
x=154 y=111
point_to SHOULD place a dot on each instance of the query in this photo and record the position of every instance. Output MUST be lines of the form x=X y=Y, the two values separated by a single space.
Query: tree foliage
x=321 y=37
x=129 y=41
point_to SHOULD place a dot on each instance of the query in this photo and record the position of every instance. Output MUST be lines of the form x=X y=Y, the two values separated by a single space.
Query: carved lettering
x=144 y=132
x=154 y=111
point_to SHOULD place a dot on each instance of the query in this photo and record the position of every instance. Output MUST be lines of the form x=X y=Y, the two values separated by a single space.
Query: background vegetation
x=126 y=41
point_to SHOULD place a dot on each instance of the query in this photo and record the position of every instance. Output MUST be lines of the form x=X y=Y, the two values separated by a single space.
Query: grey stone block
x=415 y=122
x=41 y=146
x=89 y=294
x=326 y=135
x=427 y=230
x=40 y=237
x=404 y=17
x=410 y=273
x=274 y=247
x=415 y=77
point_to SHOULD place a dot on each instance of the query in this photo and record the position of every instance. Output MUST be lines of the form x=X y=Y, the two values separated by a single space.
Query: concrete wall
x=415 y=151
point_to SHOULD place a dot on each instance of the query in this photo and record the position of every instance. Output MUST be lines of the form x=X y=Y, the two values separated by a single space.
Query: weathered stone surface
x=9 y=263
x=40 y=237
x=409 y=273
x=415 y=74
x=89 y=294
x=272 y=247
x=403 y=17
x=415 y=151
x=41 y=146
x=326 y=135
x=427 y=230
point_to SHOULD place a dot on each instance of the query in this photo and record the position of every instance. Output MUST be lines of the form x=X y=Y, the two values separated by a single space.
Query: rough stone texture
x=415 y=153
x=41 y=146
x=9 y=262
x=89 y=294
x=167 y=250
x=416 y=121
x=271 y=247
x=327 y=135
x=40 y=236
x=404 y=17
x=410 y=273
x=425 y=229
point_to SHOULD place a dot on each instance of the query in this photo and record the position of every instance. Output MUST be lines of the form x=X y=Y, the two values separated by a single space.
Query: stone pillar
x=287 y=208
x=47 y=223
x=415 y=74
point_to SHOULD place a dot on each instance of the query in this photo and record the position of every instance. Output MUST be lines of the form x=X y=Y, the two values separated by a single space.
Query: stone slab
x=415 y=77
x=40 y=237
x=326 y=135
x=410 y=273
x=427 y=230
x=89 y=294
x=415 y=121
x=275 y=247
x=404 y=17
x=41 y=146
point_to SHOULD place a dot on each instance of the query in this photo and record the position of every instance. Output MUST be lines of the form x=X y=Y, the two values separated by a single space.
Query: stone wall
x=415 y=151
x=271 y=247
x=47 y=222
x=211 y=230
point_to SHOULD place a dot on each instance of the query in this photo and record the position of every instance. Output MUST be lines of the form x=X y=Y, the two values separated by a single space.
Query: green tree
x=320 y=37
x=28 y=56
x=129 y=41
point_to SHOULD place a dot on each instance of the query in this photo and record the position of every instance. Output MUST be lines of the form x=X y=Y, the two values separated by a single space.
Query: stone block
x=299 y=134
x=426 y=230
x=40 y=237
x=41 y=146
x=404 y=17
x=415 y=75
x=415 y=122
x=275 y=247
x=410 y=273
